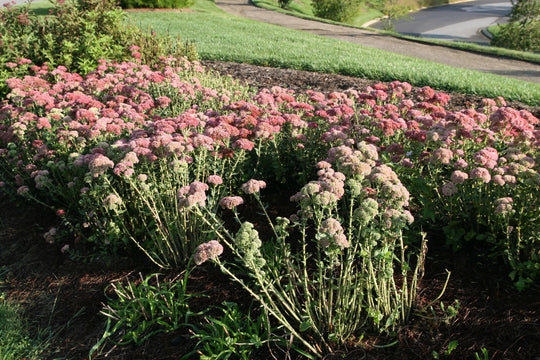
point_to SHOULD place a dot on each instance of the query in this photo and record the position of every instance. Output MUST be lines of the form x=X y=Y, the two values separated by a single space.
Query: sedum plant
x=337 y=268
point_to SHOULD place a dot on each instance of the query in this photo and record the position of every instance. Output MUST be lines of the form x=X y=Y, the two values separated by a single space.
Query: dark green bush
x=284 y=3
x=156 y=4
x=523 y=30
x=337 y=10
x=77 y=34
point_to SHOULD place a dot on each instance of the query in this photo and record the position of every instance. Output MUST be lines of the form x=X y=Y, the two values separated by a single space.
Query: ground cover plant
x=159 y=161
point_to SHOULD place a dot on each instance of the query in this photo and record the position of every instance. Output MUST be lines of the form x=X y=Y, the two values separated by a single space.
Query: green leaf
x=304 y=326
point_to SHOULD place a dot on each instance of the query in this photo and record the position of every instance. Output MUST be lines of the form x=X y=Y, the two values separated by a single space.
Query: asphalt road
x=456 y=22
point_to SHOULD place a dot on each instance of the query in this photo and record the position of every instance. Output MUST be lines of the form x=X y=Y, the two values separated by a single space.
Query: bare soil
x=67 y=294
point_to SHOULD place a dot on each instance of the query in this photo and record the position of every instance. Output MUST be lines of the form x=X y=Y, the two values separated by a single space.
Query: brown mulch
x=67 y=294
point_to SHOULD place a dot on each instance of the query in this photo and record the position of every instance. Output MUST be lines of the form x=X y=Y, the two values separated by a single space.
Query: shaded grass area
x=15 y=344
x=224 y=37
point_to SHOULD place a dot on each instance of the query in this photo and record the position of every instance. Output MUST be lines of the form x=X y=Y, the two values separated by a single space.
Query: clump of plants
x=76 y=35
x=161 y=160
x=522 y=32
x=284 y=3
x=337 y=10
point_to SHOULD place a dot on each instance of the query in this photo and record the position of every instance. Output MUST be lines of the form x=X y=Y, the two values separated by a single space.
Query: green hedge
x=156 y=4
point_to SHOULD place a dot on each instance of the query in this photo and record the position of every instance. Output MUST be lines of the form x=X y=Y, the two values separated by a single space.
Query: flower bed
x=155 y=159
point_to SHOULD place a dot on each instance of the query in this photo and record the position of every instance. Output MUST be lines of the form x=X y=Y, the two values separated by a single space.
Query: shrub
x=156 y=4
x=76 y=35
x=284 y=3
x=337 y=280
x=523 y=30
x=337 y=10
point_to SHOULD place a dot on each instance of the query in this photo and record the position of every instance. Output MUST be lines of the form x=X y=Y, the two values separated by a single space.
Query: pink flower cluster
x=253 y=186
x=230 y=202
x=207 y=251
x=331 y=232
x=192 y=195
x=503 y=205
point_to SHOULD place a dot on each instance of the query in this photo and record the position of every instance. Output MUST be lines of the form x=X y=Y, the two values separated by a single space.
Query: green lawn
x=221 y=36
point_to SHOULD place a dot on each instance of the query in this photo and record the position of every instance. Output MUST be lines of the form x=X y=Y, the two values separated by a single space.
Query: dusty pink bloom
x=406 y=162
x=131 y=157
x=432 y=136
x=64 y=248
x=163 y=101
x=509 y=179
x=244 y=144
x=253 y=186
x=341 y=241
x=197 y=186
x=442 y=155
x=323 y=165
x=331 y=226
x=23 y=190
x=207 y=251
x=111 y=201
x=458 y=177
x=503 y=205
x=480 y=173
x=197 y=198
x=426 y=93
x=498 y=179
x=449 y=189
x=487 y=157
x=461 y=164
x=332 y=232
x=382 y=173
x=123 y=168
x=230 y=202
x=142 y=177
x=214 y=180
x=99 y=165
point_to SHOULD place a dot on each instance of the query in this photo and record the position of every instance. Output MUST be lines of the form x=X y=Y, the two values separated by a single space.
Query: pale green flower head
x=248 y=242
x=366 y=212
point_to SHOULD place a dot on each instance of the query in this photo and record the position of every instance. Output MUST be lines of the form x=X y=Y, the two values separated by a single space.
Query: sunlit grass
x=220 y=36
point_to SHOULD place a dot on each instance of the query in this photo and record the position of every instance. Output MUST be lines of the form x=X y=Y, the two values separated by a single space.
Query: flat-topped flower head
x=99 y=165
x=503 y=205
x=458 y=177
x=253 y=186
x=214 y=180
x=481 y=173
x=207 y=251
x=230 y=202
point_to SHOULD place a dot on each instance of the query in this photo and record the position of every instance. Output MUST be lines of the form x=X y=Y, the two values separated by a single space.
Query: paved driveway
x=456 y=22
x=463 y=59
